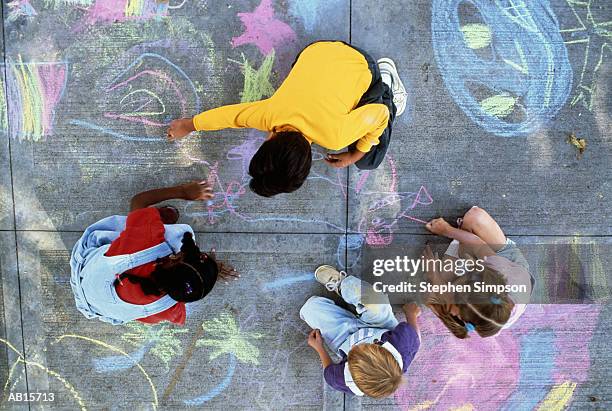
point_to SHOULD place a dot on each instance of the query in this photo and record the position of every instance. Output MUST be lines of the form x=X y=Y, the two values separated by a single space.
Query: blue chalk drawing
x=117 y=363
x=105 y=130
x=313 y=11
x=527 y=394
x=231 y=369
x=529 y=72
x=139 y=63
x=284 y=282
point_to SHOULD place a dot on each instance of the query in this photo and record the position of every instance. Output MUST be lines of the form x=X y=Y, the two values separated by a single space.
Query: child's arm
x=474 y=244
x=190 y=191
x=412 y=311
x=316 y=342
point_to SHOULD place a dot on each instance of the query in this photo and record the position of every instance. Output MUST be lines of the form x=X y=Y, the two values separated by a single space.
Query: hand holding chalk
x=180 y=128
x=438 y=226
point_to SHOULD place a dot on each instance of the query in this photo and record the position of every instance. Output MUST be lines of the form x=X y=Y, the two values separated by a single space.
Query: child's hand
x=315 y=340
x=412 y=309
x=345 y=159
x=180 y=128
x=438 y=226
x=197 y=190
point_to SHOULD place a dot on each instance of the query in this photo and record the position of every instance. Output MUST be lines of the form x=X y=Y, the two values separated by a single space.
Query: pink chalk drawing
x=546 y=350
x=380 y=209
x=263 y=29
x=110 y=11
x=33 y=92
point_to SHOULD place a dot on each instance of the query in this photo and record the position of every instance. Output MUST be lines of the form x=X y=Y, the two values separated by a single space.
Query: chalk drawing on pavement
x=20 y=9
x=596 y=38
x=140 y=94
x=223 y=337
x=263 y=29
x=33 y=91
x=485 y=67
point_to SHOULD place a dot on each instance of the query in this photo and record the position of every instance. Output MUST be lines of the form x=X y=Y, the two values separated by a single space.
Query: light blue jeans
x=336 y=323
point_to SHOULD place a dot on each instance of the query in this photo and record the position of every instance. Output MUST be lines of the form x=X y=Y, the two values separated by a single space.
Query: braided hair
x=485 y=312
x=190 y=280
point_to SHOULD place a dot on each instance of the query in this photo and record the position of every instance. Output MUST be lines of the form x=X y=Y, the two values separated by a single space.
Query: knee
x=474 y=217
x=309 y=306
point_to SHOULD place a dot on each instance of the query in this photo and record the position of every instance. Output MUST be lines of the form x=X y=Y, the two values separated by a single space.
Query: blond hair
x=374 y=370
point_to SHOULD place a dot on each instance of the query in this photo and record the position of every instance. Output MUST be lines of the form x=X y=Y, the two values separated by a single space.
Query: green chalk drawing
x=257 y=82
x=476 y=35
x=227 y=338
x=500 y=105
x=597 y=40
x=165 y=343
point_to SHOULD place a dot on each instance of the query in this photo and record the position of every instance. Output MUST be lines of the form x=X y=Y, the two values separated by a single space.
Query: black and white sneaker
x=390 y=77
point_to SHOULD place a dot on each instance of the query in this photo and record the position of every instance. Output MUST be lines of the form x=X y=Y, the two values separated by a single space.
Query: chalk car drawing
x=507 y=69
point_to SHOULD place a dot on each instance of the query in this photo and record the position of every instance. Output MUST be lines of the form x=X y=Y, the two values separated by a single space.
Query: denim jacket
x=93 y=274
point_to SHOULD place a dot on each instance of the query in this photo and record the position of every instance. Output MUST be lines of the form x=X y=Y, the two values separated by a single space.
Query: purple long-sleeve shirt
x=403 y=337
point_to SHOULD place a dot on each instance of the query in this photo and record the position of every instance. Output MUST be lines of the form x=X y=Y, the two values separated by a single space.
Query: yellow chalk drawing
x=165 y=344
x=558 y=397
x=476 y=35
x=134 y=8
x=21 y=359
x=155 y=402
x=500 y=105
x=227 y=338
x=257 y=82
x=422 y=406
x=465 y=407
x=589 y=31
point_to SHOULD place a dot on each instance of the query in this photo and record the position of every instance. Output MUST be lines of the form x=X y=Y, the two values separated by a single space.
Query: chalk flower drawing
x=227 y=338
x=257 y=81
x=597 y=40
x=165 y=344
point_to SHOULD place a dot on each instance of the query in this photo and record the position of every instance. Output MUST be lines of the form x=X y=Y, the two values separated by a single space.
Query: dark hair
x=487 y=312
x=188 y=281
x=281 y=165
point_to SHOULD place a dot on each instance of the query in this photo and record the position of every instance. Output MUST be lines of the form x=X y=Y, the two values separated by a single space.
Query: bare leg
x=480 y=223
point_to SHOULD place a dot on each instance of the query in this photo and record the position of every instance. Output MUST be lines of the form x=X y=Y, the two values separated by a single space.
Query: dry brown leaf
x=579 y=143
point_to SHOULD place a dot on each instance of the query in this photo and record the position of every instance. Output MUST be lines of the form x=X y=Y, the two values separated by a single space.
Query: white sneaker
x=391 y=77
x=330 y=277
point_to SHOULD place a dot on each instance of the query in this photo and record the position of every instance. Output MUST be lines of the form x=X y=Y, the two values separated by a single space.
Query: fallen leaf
x=579 y=143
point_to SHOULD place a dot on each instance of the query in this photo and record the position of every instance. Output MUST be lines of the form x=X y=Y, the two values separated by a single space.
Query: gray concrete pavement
x=494 y=91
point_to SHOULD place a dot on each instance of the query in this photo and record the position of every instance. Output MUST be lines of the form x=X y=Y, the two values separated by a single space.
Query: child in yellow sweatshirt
x=335 y=96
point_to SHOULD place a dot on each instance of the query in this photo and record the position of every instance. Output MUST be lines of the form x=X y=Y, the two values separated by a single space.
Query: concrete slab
x=6 y=189
x=252 y=352
x=515 y=161
x=103 y=145
x=555 y=353
x=12 y=369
